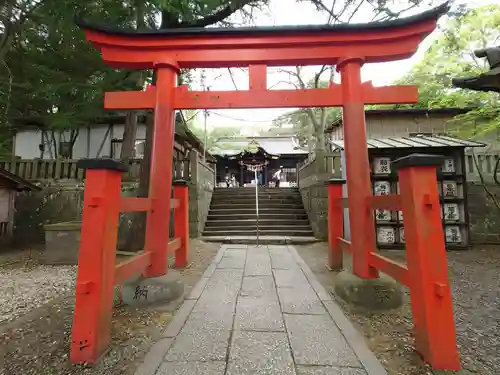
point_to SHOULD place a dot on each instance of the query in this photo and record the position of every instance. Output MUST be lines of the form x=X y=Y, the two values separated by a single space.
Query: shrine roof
x=272 y=145
x=489 y=81
x=419 y=141
x=410 y=112
x=14 y=182
x=432 y=14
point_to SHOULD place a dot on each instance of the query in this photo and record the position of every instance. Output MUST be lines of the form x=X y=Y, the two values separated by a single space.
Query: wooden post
x=335 y=223
x=193 y=166
x=96 y=259
x=430 y=292
x=181 y=222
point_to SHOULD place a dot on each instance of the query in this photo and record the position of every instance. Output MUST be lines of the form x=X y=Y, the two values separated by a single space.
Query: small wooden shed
x=10 y=185
x=451 y=178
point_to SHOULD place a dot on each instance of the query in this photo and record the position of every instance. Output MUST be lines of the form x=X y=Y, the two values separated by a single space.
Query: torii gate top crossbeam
x=270 y=46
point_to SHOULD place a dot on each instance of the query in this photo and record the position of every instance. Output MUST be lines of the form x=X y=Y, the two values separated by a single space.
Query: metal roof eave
x=434 y=141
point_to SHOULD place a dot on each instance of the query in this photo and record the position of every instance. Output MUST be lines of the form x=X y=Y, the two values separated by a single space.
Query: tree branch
x=232 y=78
x=480 y=174
x=218 y=16
x=296 y=74
x=321 y=6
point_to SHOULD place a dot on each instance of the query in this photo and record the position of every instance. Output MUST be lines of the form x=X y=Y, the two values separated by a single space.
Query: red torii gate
x=167 y=51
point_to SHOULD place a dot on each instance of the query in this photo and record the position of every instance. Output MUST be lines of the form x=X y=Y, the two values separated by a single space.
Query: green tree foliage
x=51 y=75
x=306 y=119
x=311 y=123
x=451 y=56
x=214 y=133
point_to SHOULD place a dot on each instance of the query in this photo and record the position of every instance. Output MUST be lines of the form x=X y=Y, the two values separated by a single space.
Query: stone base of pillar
x=147 y=291
x=383 y=293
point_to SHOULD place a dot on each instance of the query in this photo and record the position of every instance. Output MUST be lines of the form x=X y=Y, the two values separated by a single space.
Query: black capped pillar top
x=336 y=181
x=179 y=183
x=418 y=160
x=102 y=163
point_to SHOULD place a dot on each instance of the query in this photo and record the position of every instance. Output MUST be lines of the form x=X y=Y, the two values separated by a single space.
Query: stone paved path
x=260 y=311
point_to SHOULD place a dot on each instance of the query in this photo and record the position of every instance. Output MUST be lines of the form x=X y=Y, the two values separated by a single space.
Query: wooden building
x=101 y=137
x=452 y=185
x=282 y=152
x=402 y=122
x=10 y=184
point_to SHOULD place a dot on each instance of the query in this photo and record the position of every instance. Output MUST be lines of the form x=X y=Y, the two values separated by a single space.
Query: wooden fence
x=484 y=165
x=66 y=169
x=319 y=169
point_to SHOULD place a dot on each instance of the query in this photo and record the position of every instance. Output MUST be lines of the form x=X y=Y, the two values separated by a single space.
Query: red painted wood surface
x=97 y=272
x=349 y=49
x=160 y=181
x=431 y=301
x=96 y=266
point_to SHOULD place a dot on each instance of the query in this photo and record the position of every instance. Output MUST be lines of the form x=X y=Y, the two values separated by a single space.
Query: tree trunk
x=54 y=147
x=135 y=224
x=135 y=234
x=129 y=134
x=146 y=161
x=320 y=140
x=130 y=127
x=310 y=146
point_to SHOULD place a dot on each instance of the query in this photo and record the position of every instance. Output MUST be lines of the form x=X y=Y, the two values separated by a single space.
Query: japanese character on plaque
x=452 y=234
x=451 y=212
x=449 y=165
x=400 y=215
x=450 y=189
x=386 y=236
x=382 y=215
x=382 y=188
x=402 y=235
x=382 y=165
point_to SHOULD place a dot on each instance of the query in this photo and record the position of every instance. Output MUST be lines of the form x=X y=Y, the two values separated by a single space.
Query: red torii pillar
x=347 y=46
x=162 y=152
x=359 y=186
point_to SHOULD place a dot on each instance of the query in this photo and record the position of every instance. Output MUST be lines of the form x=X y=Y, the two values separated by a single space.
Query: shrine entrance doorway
x=348 y=47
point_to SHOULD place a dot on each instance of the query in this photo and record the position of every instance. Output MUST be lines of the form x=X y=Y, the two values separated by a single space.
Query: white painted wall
x=87 y=144
x=26 y=144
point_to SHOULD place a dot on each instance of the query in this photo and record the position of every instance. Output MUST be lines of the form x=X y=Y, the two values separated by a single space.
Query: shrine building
x=272 y=153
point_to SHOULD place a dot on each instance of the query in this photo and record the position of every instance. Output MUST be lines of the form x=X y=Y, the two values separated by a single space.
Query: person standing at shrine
x=277 y=177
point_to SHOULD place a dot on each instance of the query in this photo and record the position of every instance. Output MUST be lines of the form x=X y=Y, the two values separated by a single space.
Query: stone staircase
x=281 y=213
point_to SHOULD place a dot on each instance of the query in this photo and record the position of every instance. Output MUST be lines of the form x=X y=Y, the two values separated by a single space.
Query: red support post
x=181 y=222
x=160 y=180
x=335 y=223
x=359 y=186
x=430 y=292
x=96 y=259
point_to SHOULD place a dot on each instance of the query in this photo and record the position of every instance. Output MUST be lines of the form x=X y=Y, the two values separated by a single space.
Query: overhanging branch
x=218 y=16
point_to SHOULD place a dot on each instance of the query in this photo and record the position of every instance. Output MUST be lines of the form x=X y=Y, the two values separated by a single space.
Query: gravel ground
x=37 y=342
x=23 y=289
x=475 y=277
